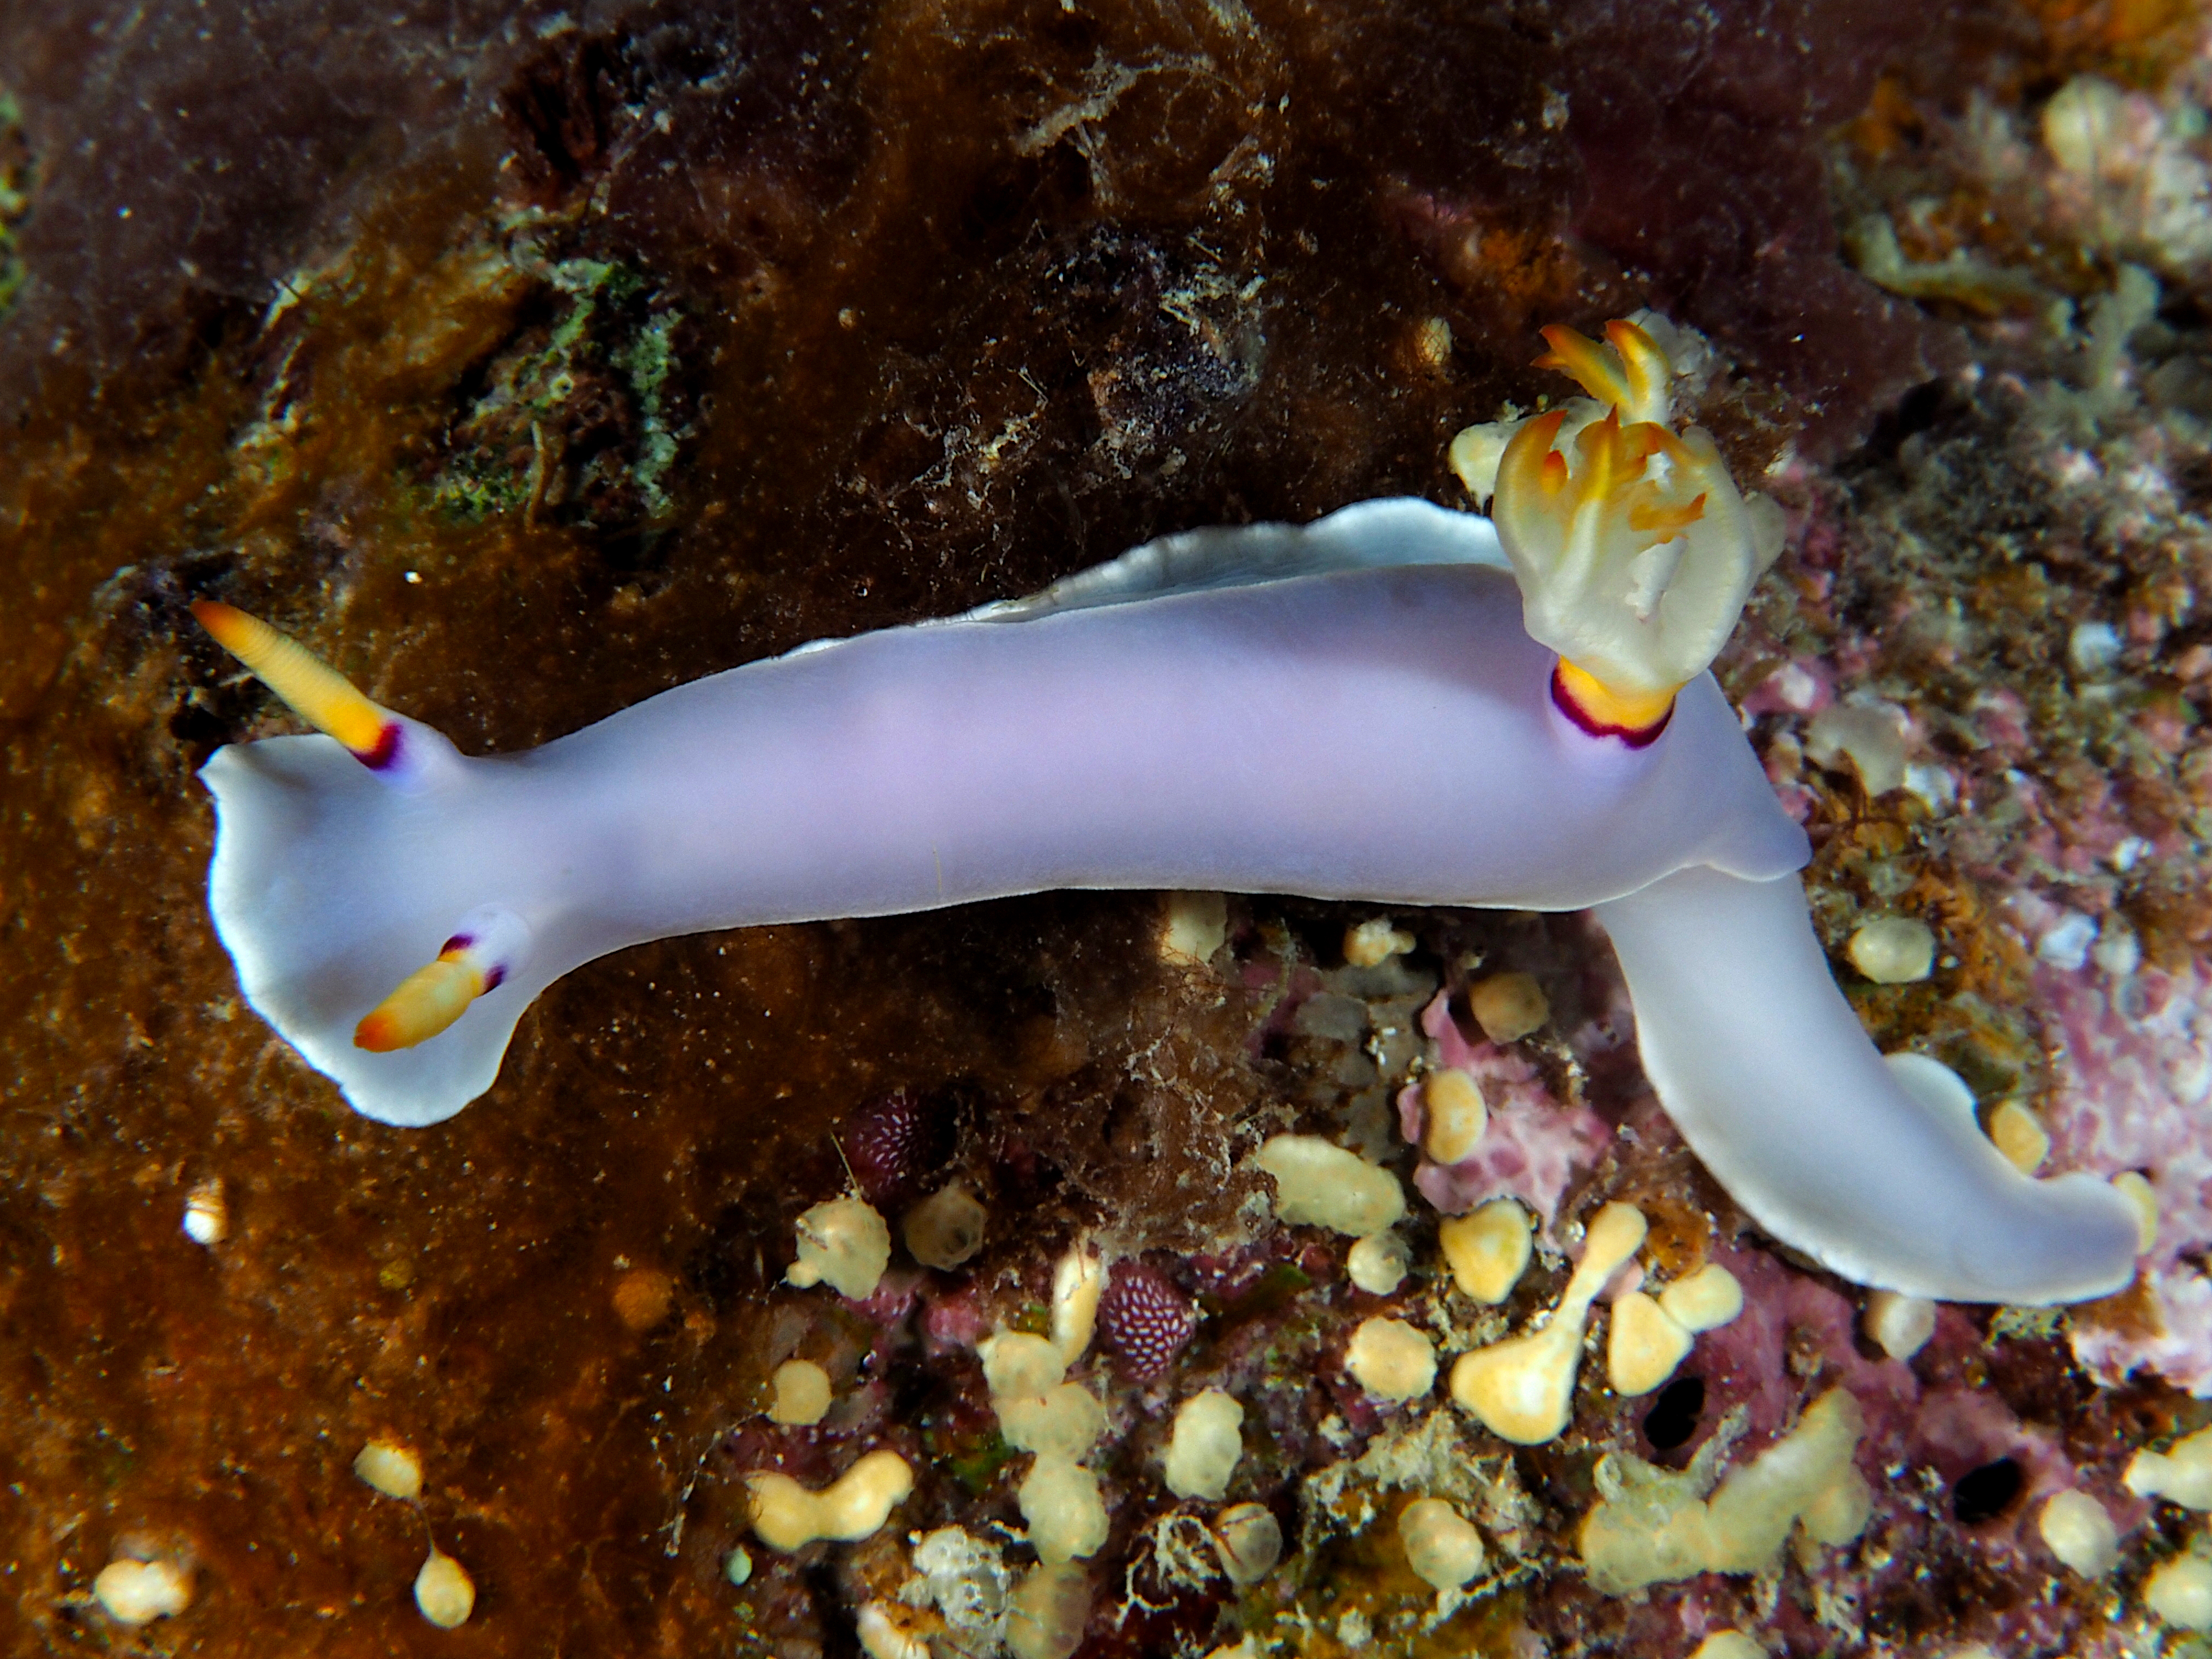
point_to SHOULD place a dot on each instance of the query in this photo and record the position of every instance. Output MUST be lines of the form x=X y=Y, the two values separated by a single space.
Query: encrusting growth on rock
x=1652 y=1526
x=1523 y=1389
x=1457 y=1115
x=2182 y=1474
x=1318 y=1183
x=1488 y=1249
x=844 y=1243
x=2079 y=1532
x=1442 y=1546
x=1650 y=1335
x=444 y=1592
x=1391 y=1360
x=133 y=1592
x=800 y=1393
x=1206 y=1446
x=786 y=1516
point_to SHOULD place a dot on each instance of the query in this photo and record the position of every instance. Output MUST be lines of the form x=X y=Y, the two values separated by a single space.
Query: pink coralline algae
x=1144 y=1319
x=2135 y=1074
x=1534 y=1146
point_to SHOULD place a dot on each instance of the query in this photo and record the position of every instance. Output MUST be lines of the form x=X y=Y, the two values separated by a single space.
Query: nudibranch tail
x=490 y=945
x=1764 y=1066
x=310 y=687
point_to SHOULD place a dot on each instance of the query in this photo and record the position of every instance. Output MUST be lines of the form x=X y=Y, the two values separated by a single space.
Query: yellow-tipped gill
x=310 y=687
x=1632 y=547
x=1628 y=373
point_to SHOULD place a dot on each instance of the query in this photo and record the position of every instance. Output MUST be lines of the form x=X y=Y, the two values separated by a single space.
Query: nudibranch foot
x=1765 y=1069
x=1244 y=710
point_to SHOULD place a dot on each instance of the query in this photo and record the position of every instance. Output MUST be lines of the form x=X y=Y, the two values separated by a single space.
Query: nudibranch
x=1396 y=703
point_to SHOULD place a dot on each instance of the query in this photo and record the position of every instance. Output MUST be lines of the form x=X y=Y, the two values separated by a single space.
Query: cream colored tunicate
x=1193 y=928
x=1508 y=1006
x=1872 y=737
x=786 y=1516
x=1704 y=1300
x=1523 y=1389
x=2130 y=1185
x=1644 y=1345
x=1078 y=1281
x=1371 y=943
x=1653 y=1526
x=1018 y=1363
x=1391 y=1360
x=1064 y=1421
x=884 y=1632
x=1059 y=1502
x=945 y=1229
x=1046 y=1614
x=2180 y=1593
x=1456 y=1115
x=2082 y=125
x=967 y=1578
x=800 y=1394
x=844 y=1243
x=737 y=1565
x=1378 y=1263
x=1204 y=1445
x=1899 y=1325
x=2020 y=1136
x=1442 y=1547
x=1893 y=950
x=2080 y=1533
x=207 y=1216
x=139 y=1592
x=391 y=1469
x=1322 y=1185
x=1248 y=1540
x=1728 y=1644
x=642 y=1298
x=2181 y=1475
x=1488 y=1249
x=443 y=1593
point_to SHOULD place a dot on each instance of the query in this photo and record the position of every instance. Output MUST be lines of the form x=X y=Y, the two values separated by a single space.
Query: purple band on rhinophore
x=494 y=977
x=458 y=942
x=386 y=752
x=1636 y=737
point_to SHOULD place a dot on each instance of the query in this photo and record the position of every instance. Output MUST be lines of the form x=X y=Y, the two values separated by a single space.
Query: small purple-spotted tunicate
x=1143 y=1318
x=889 y=1144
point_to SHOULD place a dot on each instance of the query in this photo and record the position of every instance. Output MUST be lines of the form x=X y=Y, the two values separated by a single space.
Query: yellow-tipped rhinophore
x=1633 y=549
x=310 y=687
x=426 y=1001
x=491 y=943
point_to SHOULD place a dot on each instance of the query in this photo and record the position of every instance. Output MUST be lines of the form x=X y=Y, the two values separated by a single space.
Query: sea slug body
x=1230 y=710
